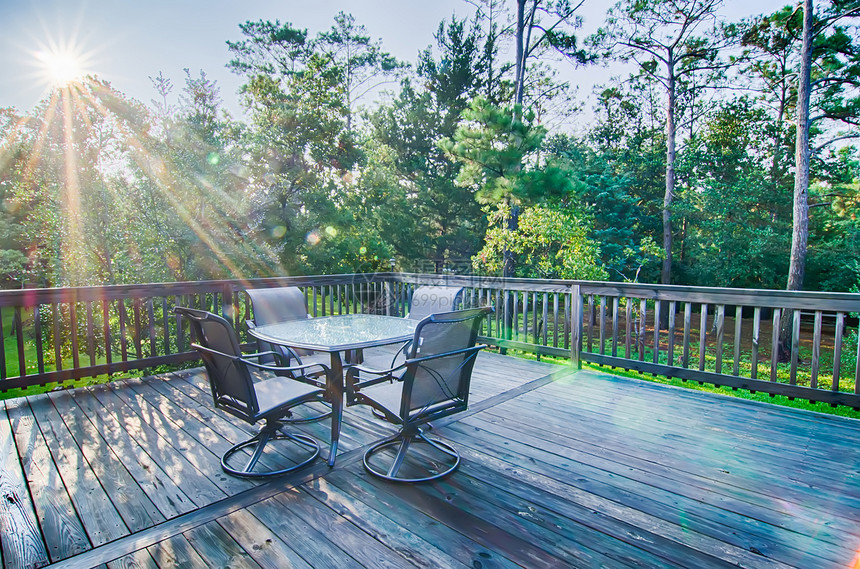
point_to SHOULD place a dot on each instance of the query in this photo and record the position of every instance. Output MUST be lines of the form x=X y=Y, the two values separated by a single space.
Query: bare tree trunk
x=520 y=64
x=800 y=213
x=666 y=272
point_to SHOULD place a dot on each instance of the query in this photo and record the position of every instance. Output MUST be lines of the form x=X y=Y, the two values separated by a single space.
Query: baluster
x=756 y=335
x=122 y=335
x=615 y=301
x=688 y=324
x=150 y=313
x=91 y=340
x=603 y=324
x=2 y=348
x=816 y=351
x=736 y=368
x=703 y=336
x=720 y=325
x=566 y=325
x=857 y=365
x=165 y=326
x=515 y=315
x=837 y=350
x=106 y=330
x=774 y=349
x=643 y=320
x=795 y=346
x=73 y=333
x=19 y=341
x=628 y=322
x=58 y=353
x=545 y=315
x=40 y=354
x=670 y=353
x=314 y=290
x=525 y=316
x=138 y=336
x=657 y=308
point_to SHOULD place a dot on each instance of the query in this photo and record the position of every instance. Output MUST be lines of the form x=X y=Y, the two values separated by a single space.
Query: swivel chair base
x=449 y=462
x=270 y=432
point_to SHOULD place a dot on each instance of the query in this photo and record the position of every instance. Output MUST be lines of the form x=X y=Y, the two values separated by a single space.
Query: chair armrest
x=291 y=353
x=473 y=349
x=352 y=372
x=275 y=369
x=243 y=359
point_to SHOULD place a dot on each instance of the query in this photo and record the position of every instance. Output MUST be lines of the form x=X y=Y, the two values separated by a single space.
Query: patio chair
x=282 y=304
x=235 y=392
x=427 y=300
x=273 y=305
x=431 y=384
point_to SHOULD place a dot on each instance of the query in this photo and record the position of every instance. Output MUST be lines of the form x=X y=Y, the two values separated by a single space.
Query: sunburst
x=61 y=67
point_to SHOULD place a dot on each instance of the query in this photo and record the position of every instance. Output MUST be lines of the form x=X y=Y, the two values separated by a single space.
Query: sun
x=61 y=67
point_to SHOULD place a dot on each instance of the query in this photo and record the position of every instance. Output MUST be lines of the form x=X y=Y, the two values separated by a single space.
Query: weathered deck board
x=20 y=542
x=587 y=470
x=63 y=531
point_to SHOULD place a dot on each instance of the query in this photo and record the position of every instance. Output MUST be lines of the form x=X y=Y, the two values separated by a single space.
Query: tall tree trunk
x=800 y=213
x=666 y=272
x=520 y=64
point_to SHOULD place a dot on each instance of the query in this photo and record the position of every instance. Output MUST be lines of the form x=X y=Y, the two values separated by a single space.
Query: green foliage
x=737 y=223
x=497 y=147
x=548 y=243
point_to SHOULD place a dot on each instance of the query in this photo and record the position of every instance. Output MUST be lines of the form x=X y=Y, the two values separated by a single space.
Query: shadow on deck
x=559 y=468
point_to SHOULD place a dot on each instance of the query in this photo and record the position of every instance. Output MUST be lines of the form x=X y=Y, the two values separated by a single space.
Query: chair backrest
x=427 y=300
x=439 y=386
x=231 y=382
x=273 y=305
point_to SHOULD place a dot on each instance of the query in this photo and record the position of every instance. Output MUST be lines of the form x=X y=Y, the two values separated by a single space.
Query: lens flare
x=61 y=67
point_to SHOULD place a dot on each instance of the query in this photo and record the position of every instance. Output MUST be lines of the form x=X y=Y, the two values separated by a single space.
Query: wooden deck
x=559 y=469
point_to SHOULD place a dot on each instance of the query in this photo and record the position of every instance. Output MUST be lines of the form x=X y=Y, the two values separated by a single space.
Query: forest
x=726 y=158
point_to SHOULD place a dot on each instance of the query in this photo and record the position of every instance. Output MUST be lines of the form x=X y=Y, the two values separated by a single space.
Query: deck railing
x=714 y=335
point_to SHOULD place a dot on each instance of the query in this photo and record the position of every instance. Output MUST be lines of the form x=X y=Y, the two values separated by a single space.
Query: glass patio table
x=337 y=335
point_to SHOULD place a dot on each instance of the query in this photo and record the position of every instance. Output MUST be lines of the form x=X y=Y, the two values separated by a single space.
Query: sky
x=128 y=41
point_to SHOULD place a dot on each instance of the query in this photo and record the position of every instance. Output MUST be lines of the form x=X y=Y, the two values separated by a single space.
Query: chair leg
x=272 y=431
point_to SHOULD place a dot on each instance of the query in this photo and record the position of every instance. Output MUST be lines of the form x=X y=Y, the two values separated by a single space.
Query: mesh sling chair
x=427 y=300
x=281 y=304
x=234 y=391
x=431 y=384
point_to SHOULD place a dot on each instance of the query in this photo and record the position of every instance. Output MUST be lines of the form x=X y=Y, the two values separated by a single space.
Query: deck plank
x=306 y=539
x=61 y=529
x=421 y=552
x=175 y=553
x=185 y=474
x=340 y=531
x=218 y=548
x=665 y=495
x=20 y=538
x=379 y=494
x=95 y=508
x=135 y=508
x=715 y=458
x=156 y=483
x=261 y=543
x=137 y=560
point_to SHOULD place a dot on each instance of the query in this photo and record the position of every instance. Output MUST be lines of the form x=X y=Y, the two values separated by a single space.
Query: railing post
x=575 y=326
